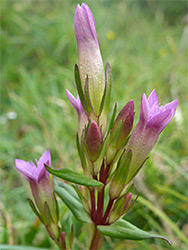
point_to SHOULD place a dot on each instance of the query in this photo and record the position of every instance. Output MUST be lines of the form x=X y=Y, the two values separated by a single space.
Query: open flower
x=30 y=171
x=82 y=117
x=89 y=57
x=153 y=119
x=41 y=187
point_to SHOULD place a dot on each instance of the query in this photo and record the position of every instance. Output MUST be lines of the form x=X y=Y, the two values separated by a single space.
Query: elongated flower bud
x=89 y=57
x=93 y=141
x=121 y=130
x=153 y=119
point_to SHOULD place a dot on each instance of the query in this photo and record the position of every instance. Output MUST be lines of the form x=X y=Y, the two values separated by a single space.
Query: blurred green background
x=146 y=45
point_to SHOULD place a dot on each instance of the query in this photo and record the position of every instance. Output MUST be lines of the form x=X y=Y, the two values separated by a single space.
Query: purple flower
x=41 y=187
x=29 y=169
x=89 y=57
x=82 y=117
x=153 y=119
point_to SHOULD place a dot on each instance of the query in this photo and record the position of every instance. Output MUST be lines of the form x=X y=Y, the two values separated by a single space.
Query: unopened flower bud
x=89 y=57
x=121 y=130
x=93 y=141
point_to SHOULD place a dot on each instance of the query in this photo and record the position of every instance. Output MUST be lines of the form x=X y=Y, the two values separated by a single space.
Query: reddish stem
x=110 y=203
x=93 y=212
x=95 y=240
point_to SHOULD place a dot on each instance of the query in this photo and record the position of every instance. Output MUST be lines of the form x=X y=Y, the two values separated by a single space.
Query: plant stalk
x=95 y=240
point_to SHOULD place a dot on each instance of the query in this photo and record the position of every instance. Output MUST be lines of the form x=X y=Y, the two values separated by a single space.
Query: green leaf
x=125 y=230
x=69 y=175
x=73 y=204
x=6 y=247
x=67 y=187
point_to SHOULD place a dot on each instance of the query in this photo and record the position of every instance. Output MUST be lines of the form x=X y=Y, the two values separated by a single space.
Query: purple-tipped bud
x=126 y=116
x=93 y=141
x=89 y=57
x=153 y=119
x=82 y=117
x=62 y=240
x=121 y=130
x=120 y=207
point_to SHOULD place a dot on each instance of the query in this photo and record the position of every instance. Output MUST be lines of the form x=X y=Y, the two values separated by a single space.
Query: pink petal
x=75 y=103
x=27 y=169
x=160 y=121
x=144 y=109
x=153 y=99
x=46 y=158
x=172 y=105
x=84 y=24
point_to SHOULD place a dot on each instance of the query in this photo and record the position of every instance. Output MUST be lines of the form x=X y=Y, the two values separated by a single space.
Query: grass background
x=145 y=43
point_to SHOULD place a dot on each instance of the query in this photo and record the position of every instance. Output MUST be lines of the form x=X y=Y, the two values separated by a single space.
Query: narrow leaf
x=69 y=175
x=125 y=230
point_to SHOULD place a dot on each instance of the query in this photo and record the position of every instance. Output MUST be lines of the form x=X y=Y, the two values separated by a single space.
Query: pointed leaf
x=73 y=204
x=125 y=230
x=69 y=175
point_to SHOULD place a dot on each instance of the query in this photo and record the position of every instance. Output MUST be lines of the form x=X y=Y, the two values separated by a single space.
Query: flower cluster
x=115 y=155
x=111 y=151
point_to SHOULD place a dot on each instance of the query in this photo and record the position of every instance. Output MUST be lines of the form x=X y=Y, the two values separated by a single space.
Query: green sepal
x=125 y=230
x=87 y=97
x=47 y=213
x=112 y=148
x=57 y=208
x=105 y=103
x=131 y=176
x=118 y=182
x=73 y=203
x=112 y=117
x=32 y=205
x=98 y=162
x=80 y=152
x=69 y=175
x=71 y=238
x=79 y=88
